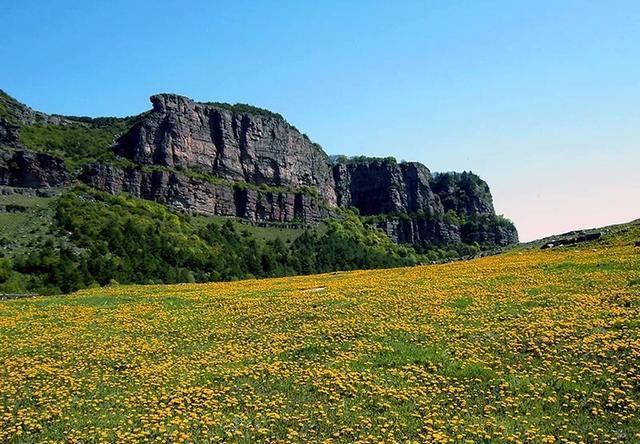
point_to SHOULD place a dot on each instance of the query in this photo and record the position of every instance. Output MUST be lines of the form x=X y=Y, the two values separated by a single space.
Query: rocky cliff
x=27 y=169
x=201 y=197
x=250 y=145
x=242 y=161
x=20 y=167
x=441 y=232
x=413 y=206
x=380 y=186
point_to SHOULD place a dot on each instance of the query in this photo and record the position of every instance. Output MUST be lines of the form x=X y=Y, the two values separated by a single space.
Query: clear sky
x=541 y=98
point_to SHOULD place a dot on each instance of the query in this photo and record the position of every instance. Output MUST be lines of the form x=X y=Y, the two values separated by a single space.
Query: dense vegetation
x=109 y=239
x=82 y=141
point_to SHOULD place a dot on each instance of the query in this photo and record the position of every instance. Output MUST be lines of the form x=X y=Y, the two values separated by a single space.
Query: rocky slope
x=238 y=160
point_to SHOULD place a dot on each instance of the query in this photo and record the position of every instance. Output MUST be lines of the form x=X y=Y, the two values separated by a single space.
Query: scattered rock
x=7 y=296
x=572 y=239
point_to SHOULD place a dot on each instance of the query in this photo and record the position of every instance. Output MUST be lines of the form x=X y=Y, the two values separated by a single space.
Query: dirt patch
x=313 y=290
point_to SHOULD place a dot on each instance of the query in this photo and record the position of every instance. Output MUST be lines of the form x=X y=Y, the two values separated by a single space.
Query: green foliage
x=440 y=253
x=244 y=108
x=361 y=159
x=349 y=244
x=5 y=270
x=10 y=281
x=126 y=240
x=8 y=107
x=452 y=218
x=76 y=143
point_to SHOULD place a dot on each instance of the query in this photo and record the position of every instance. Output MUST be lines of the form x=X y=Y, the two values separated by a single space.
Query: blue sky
x=541 y=98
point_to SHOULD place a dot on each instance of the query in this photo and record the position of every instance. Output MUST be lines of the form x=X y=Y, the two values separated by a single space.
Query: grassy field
x=23 y=229
x=529 y=346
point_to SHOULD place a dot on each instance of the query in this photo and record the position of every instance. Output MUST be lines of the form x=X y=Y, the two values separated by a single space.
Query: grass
x=528 y=346
x=23 y=230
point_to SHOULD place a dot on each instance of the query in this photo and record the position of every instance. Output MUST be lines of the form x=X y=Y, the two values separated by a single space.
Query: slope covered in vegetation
x=94 y=238
x=82 y=141
x=530 y=346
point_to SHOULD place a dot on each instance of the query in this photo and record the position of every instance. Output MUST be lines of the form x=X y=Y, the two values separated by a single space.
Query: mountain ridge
x=243 y=161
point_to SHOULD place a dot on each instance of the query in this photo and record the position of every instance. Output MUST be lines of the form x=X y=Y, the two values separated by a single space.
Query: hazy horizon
x=540 y=99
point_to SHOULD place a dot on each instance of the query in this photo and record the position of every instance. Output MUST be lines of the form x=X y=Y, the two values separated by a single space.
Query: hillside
x=535 y=345
x=199 y=163
x=82 y=237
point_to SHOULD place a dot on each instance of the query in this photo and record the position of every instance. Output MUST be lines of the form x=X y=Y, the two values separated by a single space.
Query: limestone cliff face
x=254 y=147
x=419 y=205
x=243 y=144
x=27 y=169
x=8 y=133
x=442 y=232
x=381 y=186
x=200 y=197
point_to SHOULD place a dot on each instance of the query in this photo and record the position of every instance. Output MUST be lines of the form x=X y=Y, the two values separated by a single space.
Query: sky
x=540 y=98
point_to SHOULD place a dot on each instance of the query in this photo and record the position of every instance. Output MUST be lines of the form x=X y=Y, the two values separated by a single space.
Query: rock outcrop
x=257 y=147
x=446 y=208
x=246 y=145
x=463 y=193
x=382 y=186
x=439 y=232
x=27 y=169
x=212 y=199
x=20 y=167
x=8 y=133
x=13 y=115
x=572 y=238
x=414 y=231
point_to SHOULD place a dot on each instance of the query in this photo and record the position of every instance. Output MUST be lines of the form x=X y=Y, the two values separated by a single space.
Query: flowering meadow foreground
x=529 y=346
